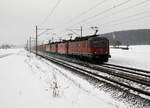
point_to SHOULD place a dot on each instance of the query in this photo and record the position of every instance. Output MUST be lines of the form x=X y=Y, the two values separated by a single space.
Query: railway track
x=135 y=71
x=109 y=73
x=139 y=78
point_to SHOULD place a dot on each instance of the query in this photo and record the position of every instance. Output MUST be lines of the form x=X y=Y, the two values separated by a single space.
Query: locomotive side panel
x=75 y=48
x=84 y=47
x=48 y=49
x=54 y=48
x=62 y=48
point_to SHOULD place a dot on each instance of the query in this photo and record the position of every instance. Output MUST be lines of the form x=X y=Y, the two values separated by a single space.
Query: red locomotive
x=90 y=47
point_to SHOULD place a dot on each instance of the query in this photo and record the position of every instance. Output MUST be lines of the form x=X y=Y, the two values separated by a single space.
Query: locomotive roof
x=78 y=39
x=84 y=38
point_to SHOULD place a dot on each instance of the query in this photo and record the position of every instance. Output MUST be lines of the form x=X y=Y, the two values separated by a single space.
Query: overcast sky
x=19 y=17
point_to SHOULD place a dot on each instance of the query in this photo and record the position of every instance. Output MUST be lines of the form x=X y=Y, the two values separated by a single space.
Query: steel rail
x=133 y=78
x=124 y=70
x=94 y=75
x=134 y=69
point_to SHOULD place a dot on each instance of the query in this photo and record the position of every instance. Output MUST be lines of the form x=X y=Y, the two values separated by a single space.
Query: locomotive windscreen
x=98 y=42
x=105 y=43
x=95 y=44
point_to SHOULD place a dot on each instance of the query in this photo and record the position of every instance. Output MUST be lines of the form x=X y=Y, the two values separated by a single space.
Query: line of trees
x=7 y=46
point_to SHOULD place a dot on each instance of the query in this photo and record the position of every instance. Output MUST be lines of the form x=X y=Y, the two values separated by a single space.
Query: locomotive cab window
x=105 y=43
x=97 y=42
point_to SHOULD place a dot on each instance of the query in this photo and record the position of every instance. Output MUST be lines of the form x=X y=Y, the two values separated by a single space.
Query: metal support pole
x=81 y=31
x=30 y=44
x=27 y=45
x=36 y=39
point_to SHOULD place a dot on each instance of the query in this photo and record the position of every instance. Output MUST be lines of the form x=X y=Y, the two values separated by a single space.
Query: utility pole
x=52 y=39
x=36 y=39
x=81 y=31
x=46 y=29
x=70 y=35
x=49 y=41
x=30 y=44
x=27 y=45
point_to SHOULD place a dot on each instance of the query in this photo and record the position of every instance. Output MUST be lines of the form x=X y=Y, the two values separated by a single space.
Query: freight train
x=92 y=47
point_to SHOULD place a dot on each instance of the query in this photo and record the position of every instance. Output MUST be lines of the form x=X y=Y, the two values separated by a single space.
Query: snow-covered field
x=136 y=57
x=28 y=81
x=5 y=52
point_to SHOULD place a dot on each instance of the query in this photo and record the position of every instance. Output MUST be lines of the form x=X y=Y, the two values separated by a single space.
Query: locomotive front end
x=99 y=48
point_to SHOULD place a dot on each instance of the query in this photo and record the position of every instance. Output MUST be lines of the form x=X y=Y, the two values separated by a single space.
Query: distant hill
x=131 y=37
x=7 y=46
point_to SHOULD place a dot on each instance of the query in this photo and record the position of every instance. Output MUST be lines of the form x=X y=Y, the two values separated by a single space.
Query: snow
x=31 y=82
x=19 y=89
x=5 y=51
x=28 y=81
x=136 y=57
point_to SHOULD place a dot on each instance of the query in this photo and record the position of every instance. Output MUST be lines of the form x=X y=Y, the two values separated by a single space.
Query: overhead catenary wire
x=83 y=13
x=124 y=9
x=103 y=12
x=87 y=11
x=130 y=16
x=51 y=12
x=44 y=32
x=96 y=15
x=124 y=22
x=133 y=19
x=126 y=17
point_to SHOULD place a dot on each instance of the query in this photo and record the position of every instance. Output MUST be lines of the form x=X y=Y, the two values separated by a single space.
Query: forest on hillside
x=129 y=37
